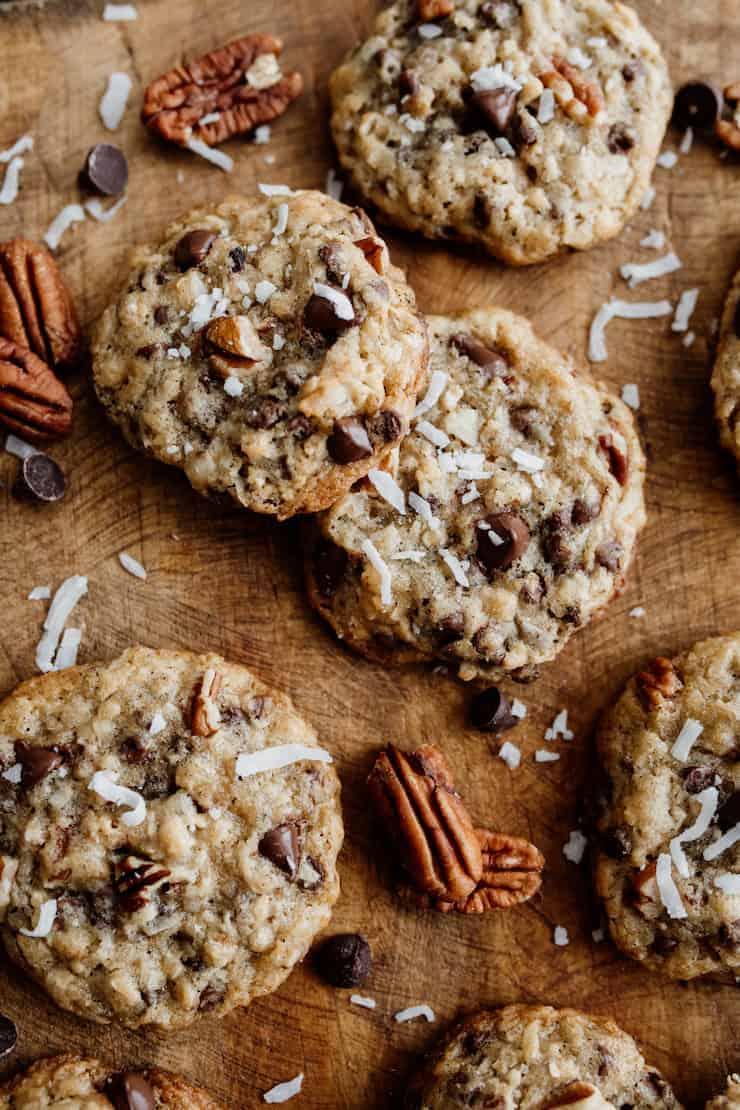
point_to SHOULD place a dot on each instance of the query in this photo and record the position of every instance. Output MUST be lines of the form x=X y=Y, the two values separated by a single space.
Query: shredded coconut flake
x=690 y=732
x=95 y=208
x=421 y=506
x=362 y=1000
x=412 y=1012
x=66 y=655
x=411 y=123
x=263 y=290
x=388 y=489
x=284 y=1091
x=434 y=435
x=560 y=936
x=688 y=339
x=216 y=157
x=281 y=223
x=638 y=611
x=14 y=445
x=456 y=568
x=527 y=461
x=518 y=709
x=575 y=846
x=543 y=756
x=647 y=198
x=667 y=888
x=687 y=140
x=20 y=146
x=281 y=755
x=667 y=159
x=233 y=387
x=105 y=785
x=275 y=190
x=654 y=239
x=635 y=273
x=504 y=147
x=546 y=110
x=381 y=567
x=40 y=593
x=493 y=77
x=13 y=774
x=631 y=395
x=684 y=309
x=413 y=556
x=727 y=840
x=113 y=103
x=559 y=727
x=158 y=724
x=262 y=134
x=70 y=214
x=429 y=31
x=119 y=13
x=133 y=566
x=598 y=935
x=334 y=185
x=707 y=800
x=510 y=754
x=45 y=923
x=340 y=301
x=624 y=310
x=728 y=882
x=65 y=599
x=435 y=389
x=11 y=181
x=577 y=58
x=212 y=117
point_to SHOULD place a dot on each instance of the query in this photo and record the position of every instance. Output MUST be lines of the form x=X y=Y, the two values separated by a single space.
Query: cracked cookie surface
x=538 y=1057
x=668 y=864
x=525 y=126
x=267 y=347
x=521 y=490
x=726 y=373
x=198 y=888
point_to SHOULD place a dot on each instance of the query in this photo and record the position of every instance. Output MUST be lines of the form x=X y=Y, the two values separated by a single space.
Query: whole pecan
x=579 y=99
x=33 y=402
x=205 y=716
x=512 y=873
x=434 y=9
x=134 y=880
x=36 y=309
x=415 y=795
x=241 y=83
x=658 y=680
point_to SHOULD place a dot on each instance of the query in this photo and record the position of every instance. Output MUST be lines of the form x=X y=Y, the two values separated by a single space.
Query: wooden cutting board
x=224 y=580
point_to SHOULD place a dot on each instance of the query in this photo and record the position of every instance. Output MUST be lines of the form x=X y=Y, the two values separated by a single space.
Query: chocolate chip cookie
x=268 y=348
x=169 y=830
x=668 y=865
x=506 y=521
x=730 y=1099
x=522 y=126
x=726 y=374
x=536 y=1056
x=77 y=1083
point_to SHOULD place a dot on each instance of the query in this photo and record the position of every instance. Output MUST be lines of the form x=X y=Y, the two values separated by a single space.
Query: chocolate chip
x=149 y=351
x=320 y=314
x=616 y=842
x=697 y=104
x=490 y=711
x=193 y=248
x=554 y=538
x=663 y=945
x=491 y=362
x=265 y=412
x=349 y=441
x=450 y=629
x=408 y=82
x=211 y=997
x=105 y=170
x=39 y=479
x=310 y=874
x=386 y=425
x=609 y=554
x=585 y=511
x=36 y=762
x=281 y=846
x=736 y=320
x=237 y=257
x=300 y=427
x=8 y=1036
x=133 y=750
x=502 y=543
x=497 y=106
x=161 y=315
x=482 y=211
x=344 y=960
x=617 y=460
x=632 y=70
x=523 y=134
x=129 y=1090
x=697 y=779
x=729 y=812
x=329 y=565
x=621 y=138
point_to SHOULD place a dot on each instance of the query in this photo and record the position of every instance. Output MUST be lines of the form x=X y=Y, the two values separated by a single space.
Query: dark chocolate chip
x=621 y=138
x=36 y=763
x=663 y=945
x=211 y=997
x=237 y=257
x=281 y=846
x=497 y=107
x=265 y=412
x=320 y=314
x=105 y=170
x=39 y=479
x=161 y=315
x=300 y=427
x=482 y=211
x=697 y=779
x=608 y=555
x=193 y=248
x=129 y=1090
x=491 y=362
x=329 y=565
x=697 y=104
x=149 y=351
x=349 y=441
x=617 y=460
x=632 y=70
x=523 y=134
x=490 y=711
x=8 y=1036
x=729 y=812
x=585 y=511
x=344 y=960
x=450 y=629
x=502 y=543
x=134 y=750
x=386 y=425
x=616 y=842
x=736 y=320
x=555 y=538
x=408 y=82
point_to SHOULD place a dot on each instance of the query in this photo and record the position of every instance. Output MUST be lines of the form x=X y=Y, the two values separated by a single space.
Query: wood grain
x=228 y=581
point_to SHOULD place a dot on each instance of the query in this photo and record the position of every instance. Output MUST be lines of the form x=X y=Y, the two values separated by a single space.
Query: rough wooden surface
x=225 y=580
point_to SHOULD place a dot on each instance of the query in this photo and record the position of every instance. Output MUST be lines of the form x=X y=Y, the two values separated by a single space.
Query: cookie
x=525 y=127
x=668 y=863
x=726 y=373
x=266 y=347
x=169 y=831
x=536 y=1056
x=508 y=521
x=72 y=1082
x=730 y=1099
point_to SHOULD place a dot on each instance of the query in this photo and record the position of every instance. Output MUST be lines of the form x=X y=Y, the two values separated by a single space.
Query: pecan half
x=580 y=99
x=434 y=9
x=512 y=873
x=36 y=309
x=205 y=716
x=241 y=82
x=135 y=880
x=33 y=402
x=728 y=130
x=415 y=795
x=658 y=680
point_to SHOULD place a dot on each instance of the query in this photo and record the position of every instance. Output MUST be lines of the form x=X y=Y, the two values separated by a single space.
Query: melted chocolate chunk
x=129 y=1090
x=8 y=1036
x=344 y=960
x=40 y=479
x=502 y=543
x=282 y=847
x=491 y=362
x=193 y=248
x=264 y=412
x=386 y=426
x=495 y=107
x=36 y=763
x=621 y=139
x=320 y=314
x=349 y=441
x=329 y=566
x=490 y=711
x=728 y=814
x=616 y=843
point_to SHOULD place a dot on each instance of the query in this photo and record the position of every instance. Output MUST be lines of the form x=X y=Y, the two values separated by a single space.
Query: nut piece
x=581 y=100
x=575 y=1095
x=135 y=880
x=512 y=873
x=415 y=795
x=658 y=681
x=645 y=888
x=36 y=309
x=237 y=335
x=373 y=251
x=434 y=9
x=728 y=130
x=206 y=719
x=33 y=402
x=220 y=82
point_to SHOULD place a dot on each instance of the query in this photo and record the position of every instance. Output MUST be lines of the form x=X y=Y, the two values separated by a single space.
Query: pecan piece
x=512 y=873
x=373 y=251
x=205 y=715
x=36 y=308
x=241 y=82
x=572 y=1095
x=33 y=402
x=728 y=130
x=580 y=99
x=134 y=881
x=428 y=10
x=237 y=335
x=415 y=795
x=645 y=891
x=658 y=680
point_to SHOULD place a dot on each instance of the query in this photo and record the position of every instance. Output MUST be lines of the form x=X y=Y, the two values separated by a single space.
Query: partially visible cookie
x=267 y=347
x=668 y=864
x=730 y=1099
x=525 y=127
x=726 y=373
x=538 y=1058
x=84 y=1083
x=507 y=521
x=169 y=831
